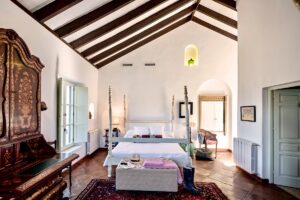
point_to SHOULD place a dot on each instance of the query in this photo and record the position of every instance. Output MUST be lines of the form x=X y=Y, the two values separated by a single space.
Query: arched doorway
x=215 y=111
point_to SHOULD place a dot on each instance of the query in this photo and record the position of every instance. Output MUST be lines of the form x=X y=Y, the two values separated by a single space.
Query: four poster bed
x=155 y=146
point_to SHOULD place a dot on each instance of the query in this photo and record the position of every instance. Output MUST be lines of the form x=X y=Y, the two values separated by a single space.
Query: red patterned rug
x=99 y=189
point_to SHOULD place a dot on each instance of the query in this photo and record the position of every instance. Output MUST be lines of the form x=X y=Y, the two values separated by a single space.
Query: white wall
x=149 y=90
x=268 y=55
x=58 y=58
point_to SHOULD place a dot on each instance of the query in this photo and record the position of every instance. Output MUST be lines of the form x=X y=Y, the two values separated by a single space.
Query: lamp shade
x=116 y=121
x=191 y=56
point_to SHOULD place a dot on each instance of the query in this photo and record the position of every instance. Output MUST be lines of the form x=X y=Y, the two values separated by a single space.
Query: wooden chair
x=209 y=138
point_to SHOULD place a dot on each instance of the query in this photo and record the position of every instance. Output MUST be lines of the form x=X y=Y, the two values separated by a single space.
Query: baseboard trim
x=220 y=150
x=254 y=176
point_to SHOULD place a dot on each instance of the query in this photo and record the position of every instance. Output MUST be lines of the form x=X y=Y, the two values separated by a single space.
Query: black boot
x=188 y=184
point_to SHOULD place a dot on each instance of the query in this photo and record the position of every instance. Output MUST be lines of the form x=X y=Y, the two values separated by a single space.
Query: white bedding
x=148 y=150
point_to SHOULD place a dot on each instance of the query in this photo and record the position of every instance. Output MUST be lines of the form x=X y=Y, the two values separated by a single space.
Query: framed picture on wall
x=248 y=113
x=182 y=109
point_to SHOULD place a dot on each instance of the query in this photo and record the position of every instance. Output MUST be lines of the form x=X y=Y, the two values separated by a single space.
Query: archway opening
x=215 y=111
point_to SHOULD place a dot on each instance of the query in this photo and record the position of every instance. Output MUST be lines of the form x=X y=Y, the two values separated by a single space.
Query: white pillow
x=168 y=134
x=141 y=130
x=156 y=130
x=129 y=134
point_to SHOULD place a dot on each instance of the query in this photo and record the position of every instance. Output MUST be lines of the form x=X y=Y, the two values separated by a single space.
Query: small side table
x=115 y=133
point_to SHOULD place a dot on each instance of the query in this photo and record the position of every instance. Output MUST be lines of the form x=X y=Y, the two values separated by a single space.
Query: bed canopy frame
x=111 y=139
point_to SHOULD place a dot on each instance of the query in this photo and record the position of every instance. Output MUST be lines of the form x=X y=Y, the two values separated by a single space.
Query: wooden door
x=287 y=138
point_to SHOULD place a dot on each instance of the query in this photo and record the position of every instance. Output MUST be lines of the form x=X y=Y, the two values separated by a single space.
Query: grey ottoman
x=142 y=179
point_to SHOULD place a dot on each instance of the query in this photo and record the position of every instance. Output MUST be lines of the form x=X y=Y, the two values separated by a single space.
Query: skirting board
x=254 y=176
x=220 y=150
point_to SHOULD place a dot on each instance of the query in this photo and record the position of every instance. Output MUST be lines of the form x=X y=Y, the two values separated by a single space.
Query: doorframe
x=267 y=126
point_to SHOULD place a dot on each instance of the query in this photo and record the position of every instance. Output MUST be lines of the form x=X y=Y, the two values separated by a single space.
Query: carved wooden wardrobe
x=29 y=167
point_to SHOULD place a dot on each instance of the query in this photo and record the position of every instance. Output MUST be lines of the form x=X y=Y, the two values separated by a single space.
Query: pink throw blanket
x=153 y=163
x=158 y=163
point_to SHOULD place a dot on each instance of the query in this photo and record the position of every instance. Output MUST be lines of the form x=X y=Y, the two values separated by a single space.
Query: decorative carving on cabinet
x=3 y=92
x=20 y=89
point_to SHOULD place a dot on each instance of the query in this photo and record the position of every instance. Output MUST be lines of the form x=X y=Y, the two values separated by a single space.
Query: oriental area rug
x=99 y=189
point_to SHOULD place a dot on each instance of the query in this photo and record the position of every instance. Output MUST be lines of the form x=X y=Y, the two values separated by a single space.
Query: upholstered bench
x=143 y=179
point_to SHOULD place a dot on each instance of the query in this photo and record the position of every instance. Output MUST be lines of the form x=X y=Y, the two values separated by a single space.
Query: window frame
x=62 y=113
x=213 y=98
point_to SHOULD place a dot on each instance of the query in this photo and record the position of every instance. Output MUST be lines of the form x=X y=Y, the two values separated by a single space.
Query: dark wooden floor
x=235 y=183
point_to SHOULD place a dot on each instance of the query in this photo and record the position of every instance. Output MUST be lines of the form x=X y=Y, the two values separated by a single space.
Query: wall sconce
x=91 y=111
x=297 y=3
x=43 y=106
x=191 y=56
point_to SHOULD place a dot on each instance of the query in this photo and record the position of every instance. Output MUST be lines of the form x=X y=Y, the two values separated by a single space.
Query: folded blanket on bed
x=158 y=163
x=153 y=163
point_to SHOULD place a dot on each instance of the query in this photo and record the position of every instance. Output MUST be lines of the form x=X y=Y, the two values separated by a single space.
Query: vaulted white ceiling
x=128 y=33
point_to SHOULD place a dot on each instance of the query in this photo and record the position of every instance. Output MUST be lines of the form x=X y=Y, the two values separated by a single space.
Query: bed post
x=187 y=118
x=125 y=114
x=172 y=119
x=110 y=132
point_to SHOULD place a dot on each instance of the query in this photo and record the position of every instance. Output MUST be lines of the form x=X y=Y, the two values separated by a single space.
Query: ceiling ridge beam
x=231 y=4
x=143 y=34
x=134 y=28
x=133 y=14
x=214 y=28
x=143 y=42
x=193 y=13
x=54 y=8
x=215 y=15
x=91 y=17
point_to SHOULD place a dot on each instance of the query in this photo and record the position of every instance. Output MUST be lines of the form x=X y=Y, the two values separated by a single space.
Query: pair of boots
x=188 y=181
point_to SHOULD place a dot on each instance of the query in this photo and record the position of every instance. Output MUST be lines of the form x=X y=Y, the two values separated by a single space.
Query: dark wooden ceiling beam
x=143 y=34
x=228 y=3
x=54 y=8
x=214 y=28
x=91 y=17
x=134 y=28
x=213 y=14
x=17 y=3
x=143 y=42
x=149 y=5
x=193 y=13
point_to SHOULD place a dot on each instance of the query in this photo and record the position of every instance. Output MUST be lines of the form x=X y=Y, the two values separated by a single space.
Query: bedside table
x=115 y=133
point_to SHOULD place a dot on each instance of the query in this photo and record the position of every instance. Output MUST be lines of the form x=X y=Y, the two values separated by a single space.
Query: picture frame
x=248 y=113
x=182 y=109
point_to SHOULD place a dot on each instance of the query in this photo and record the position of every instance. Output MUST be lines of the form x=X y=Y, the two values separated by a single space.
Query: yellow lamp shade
x=191 y=56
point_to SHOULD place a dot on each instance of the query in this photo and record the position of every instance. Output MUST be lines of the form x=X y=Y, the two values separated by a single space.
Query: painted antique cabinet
x=29 y=167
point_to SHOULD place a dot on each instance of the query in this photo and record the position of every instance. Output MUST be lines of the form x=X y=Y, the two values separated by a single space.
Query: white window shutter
x=60 y=111
x=81 y=114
